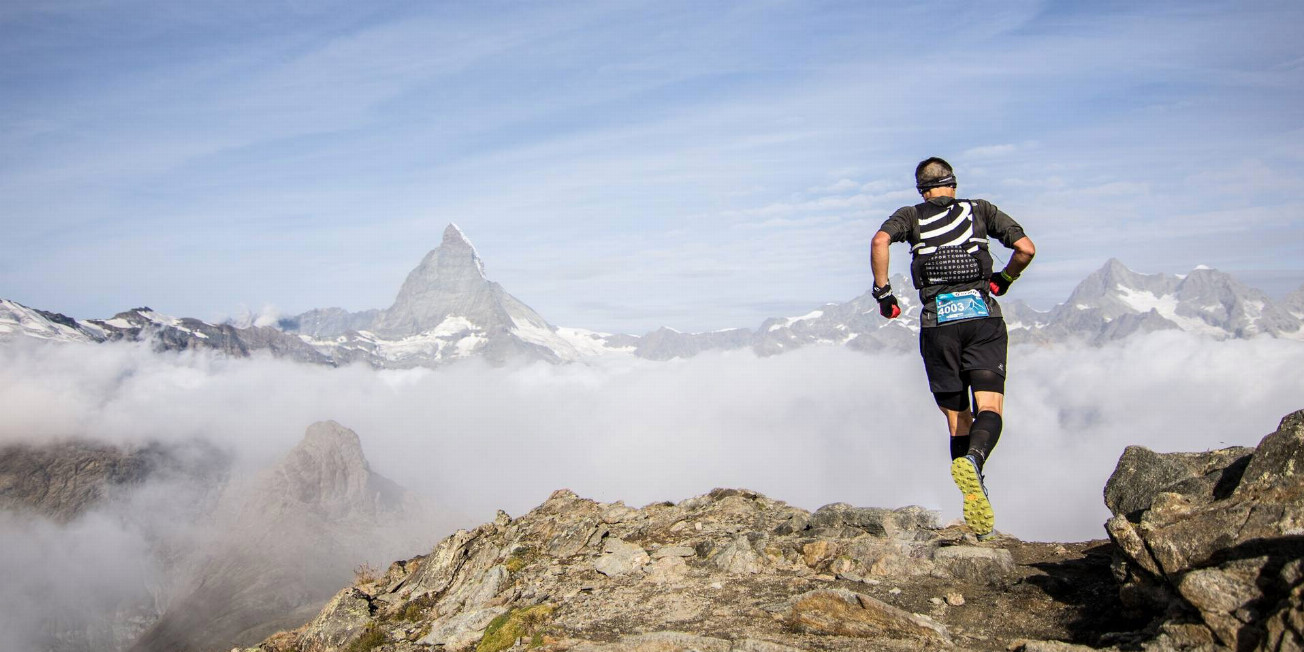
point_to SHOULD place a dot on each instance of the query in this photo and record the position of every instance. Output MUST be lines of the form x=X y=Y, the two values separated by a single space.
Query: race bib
x=957 y=306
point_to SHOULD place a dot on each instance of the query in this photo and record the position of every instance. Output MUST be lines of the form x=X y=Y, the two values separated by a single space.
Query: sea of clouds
x=809 y=427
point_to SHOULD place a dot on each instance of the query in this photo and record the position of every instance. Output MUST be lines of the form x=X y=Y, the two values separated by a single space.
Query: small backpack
x=948 y=245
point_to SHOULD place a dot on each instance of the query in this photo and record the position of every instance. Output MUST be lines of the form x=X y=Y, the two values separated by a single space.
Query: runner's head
x=934 y=177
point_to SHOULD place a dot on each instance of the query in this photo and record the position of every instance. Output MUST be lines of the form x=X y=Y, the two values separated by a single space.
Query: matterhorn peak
x=450 y=281
x=455 y=240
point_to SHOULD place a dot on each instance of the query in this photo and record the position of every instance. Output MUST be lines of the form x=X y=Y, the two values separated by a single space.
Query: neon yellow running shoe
x=977 y=509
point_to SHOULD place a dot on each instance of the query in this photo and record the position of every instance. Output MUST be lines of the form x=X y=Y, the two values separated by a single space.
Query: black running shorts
x=952 y=350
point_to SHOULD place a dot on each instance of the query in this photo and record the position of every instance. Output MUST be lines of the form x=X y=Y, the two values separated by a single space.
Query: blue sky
x=626 y=165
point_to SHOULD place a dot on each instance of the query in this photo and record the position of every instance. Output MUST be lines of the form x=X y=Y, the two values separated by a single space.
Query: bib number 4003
x=957 y=306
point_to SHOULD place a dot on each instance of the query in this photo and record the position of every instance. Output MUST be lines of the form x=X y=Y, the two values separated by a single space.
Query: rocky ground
x=734 y=566
x=1204 y=555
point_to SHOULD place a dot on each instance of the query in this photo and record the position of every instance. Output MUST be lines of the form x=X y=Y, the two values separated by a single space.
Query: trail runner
x=962 y=336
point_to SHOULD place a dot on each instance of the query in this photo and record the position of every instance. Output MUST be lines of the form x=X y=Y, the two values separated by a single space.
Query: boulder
x=876 y=521
x=976 y=564
x=738 y=557
x=1142 y=474
x=619 y=557
x=1214 y=541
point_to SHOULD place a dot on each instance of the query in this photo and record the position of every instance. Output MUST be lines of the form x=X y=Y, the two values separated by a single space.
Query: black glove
x=887 y=303
x=999 y=284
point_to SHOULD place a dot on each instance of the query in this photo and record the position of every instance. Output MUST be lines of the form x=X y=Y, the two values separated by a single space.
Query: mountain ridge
x=447 y=309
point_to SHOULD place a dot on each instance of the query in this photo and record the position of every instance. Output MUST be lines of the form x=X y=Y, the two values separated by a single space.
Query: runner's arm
x=878 y=257
x=1011 y=235
x=894 y=229
x=1024 y=251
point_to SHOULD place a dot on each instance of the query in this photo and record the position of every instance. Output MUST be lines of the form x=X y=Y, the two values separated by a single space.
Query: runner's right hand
x=887 y=302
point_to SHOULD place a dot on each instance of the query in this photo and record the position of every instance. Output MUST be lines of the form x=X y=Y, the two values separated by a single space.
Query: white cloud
x=989 y=151
x=810 y=427
x=839 y=186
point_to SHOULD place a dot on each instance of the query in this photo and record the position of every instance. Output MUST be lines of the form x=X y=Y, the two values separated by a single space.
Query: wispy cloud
x=354 y=133
x=989 y=151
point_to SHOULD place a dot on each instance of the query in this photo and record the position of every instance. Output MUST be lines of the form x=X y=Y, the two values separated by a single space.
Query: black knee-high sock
x=984 y=433
x=959 y=446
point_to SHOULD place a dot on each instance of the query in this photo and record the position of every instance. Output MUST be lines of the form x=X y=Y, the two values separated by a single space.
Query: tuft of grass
x=518 y=623
x=371 y=639
x=365 y=574
x=416 y=609
x=515 y=564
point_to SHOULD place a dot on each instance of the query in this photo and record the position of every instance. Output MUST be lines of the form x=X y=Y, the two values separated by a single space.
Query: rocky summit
x=287 y=543
x=730 y=570
x=1205 y=554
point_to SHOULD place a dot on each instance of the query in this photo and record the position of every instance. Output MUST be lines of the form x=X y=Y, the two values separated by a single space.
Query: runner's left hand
x=999 y=283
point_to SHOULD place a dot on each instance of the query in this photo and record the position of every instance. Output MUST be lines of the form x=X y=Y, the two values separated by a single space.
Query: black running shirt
x=998 y=225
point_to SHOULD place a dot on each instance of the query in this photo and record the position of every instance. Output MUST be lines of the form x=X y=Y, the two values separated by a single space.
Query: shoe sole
x=978 y=513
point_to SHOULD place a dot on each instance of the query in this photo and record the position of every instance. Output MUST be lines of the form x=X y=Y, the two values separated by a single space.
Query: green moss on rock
x=370 y=640
x=525 y=623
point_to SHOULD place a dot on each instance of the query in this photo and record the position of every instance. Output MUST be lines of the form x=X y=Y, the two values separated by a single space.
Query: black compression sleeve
x=983 y=435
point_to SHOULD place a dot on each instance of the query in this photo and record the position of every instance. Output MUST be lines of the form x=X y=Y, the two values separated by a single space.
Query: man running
x=962 y=336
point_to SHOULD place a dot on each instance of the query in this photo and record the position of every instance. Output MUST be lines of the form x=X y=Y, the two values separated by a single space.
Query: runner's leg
x=985 y=430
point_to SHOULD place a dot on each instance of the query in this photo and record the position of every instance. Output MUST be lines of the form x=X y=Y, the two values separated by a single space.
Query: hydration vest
x=948 y=246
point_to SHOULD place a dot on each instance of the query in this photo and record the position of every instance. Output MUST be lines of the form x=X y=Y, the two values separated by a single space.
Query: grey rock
x=976 y=564
x=1217 y=534
x=618 y=513
x=1219 y=594
x=1141 y=474
x=797 y=522
x=572 y=539
x=876 y=521
x=1278 y=462
x=619 y=558
x=463 y=629
x=738 y=557
x=341 y=621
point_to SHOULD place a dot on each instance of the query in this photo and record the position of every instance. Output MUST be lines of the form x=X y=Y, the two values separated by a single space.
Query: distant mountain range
x=448 y=309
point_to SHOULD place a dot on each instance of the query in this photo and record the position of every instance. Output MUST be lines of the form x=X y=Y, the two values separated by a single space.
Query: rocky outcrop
x=729 y=571
x=287 y=543
x=1214 y=542
x=63 y=481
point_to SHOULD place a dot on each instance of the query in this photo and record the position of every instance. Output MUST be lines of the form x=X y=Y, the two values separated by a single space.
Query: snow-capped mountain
x=448 y=309
x=1114 y=302
x=19 y=321
x=1111 y=303
x=144 y=325
x=1294 y=303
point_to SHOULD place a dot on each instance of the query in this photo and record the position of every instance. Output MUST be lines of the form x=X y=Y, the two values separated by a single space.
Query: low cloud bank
x=810 y=427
